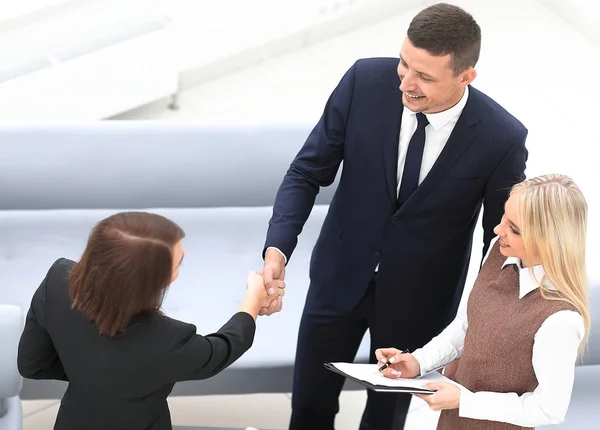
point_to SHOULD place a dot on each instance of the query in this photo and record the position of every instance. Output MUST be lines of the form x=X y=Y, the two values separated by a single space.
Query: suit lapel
x=391 y=115
x=459 y=141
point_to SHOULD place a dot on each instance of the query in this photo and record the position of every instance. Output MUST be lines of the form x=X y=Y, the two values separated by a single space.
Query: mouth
x=503 y=244
x=413 y=96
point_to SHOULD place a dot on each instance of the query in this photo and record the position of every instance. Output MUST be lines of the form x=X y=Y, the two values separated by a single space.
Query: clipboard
x=368 y=376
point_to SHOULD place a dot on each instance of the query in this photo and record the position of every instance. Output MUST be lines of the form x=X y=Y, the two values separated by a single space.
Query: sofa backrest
x=11 y=326
x=143 y=164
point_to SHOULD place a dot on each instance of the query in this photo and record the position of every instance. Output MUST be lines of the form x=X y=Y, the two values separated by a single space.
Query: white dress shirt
x=555 y=349
x=437 y=134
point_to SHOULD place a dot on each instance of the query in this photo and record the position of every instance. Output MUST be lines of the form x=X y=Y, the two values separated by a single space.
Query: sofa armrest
x=11 y=327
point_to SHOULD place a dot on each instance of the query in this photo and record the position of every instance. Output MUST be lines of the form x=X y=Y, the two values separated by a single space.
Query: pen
x=388 y=364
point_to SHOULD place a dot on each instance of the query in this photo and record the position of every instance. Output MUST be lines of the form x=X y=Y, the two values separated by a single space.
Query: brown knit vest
x=499 y=341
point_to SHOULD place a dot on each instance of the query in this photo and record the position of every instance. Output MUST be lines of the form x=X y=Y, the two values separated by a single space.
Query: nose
x=498 y=230
x=407 y=83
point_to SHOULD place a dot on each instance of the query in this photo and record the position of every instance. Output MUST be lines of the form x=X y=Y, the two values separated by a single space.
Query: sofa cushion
x=583 y=410
x=11 y=326
x=222 y=245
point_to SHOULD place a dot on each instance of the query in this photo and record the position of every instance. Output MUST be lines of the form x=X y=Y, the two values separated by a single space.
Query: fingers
x=392 y=373
x=272 y=283
x=435 y=385
x=276 y=305
x=279 y=283
x=385 y=354
x=431 y=400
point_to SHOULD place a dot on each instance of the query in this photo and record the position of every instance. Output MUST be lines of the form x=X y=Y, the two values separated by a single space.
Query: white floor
x=263 y=411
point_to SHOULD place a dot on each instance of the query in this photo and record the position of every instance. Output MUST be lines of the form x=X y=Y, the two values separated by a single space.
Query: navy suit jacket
x=423 y=249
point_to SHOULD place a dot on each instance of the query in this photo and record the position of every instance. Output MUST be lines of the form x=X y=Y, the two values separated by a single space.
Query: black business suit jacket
x=423 y=247
x=120 y=382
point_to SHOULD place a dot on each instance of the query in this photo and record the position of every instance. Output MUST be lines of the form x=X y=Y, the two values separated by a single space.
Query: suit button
x=395 y=220
x=377 y=254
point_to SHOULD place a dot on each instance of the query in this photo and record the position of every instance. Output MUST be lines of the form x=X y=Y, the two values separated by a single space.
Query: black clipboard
x=378 y=387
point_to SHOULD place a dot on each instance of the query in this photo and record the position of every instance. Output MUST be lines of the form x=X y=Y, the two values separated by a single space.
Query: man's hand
x=447 y=396
x=273 y=274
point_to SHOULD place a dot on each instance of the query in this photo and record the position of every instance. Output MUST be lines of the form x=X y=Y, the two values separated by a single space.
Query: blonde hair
x=553 y=221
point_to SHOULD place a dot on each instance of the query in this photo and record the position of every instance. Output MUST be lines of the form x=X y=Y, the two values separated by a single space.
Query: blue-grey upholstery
x=57 y=181
x=217 y=183
x=11 y=326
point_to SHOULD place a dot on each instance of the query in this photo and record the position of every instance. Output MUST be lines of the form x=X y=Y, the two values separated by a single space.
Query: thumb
x=434 y=385
x=267 y=274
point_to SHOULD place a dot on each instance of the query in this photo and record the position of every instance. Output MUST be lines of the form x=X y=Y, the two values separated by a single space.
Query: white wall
x=540 y=59
x=534 y=62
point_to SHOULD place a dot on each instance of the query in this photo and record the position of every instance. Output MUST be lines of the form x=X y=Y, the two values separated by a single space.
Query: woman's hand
x=447 y=396
x=401 y=365
x=256 y=288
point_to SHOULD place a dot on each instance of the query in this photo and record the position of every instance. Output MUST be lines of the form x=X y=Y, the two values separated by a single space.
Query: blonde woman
x=525 y=321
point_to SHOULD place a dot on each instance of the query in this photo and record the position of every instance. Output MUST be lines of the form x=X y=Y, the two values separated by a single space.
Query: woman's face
x=511 y=242
x=178 y=254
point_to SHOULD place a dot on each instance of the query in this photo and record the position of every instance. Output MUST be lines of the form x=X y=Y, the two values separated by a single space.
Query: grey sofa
x=11 y=326
x=56 y=182
x=217 y=183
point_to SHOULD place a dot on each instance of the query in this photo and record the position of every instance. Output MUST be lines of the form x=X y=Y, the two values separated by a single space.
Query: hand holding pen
x=397 y=364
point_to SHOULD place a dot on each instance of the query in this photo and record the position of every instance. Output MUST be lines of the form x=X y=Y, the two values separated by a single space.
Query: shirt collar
x=440 y=119
x=527 y=282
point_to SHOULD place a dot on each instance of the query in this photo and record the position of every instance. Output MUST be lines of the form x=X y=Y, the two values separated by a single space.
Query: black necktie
x=414 y=156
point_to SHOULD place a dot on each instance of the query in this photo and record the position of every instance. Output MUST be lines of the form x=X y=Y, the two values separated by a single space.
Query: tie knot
x=422 y=120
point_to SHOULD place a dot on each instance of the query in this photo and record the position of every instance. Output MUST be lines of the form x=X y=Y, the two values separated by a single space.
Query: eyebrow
x=419 y=72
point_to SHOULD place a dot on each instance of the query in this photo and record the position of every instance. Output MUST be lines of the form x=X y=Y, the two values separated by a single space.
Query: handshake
x=265 y=289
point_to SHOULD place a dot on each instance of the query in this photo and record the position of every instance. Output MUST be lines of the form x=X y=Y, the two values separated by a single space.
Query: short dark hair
x=124 y=270
x=444 y=29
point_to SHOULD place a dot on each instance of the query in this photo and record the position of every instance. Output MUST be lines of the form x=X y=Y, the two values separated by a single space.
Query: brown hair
x=124 y=270
x=444 y=29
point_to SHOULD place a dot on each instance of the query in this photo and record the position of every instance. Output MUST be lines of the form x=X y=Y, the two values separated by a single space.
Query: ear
x=468 y=76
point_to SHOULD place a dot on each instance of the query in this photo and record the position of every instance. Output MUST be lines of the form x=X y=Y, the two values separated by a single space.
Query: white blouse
x=555 y=349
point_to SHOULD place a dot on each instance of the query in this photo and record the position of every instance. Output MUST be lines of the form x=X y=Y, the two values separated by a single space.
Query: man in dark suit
x=394 y=249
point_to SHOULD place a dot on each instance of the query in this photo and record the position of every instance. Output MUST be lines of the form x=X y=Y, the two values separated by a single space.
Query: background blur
x=262 y=62
x=265 y=62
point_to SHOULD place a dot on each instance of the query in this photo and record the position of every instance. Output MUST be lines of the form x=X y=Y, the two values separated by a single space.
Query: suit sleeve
x=193 y=357
x=37 y=358
x=315 y=166
x=509 y=171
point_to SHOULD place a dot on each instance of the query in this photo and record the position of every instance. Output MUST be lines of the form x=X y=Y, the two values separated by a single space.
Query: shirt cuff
x=421 y=357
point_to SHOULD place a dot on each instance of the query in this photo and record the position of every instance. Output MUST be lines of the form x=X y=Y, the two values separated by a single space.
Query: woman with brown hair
x=98 y=324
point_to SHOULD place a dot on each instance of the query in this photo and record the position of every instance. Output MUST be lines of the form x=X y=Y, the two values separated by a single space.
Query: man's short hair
x=444 y=29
